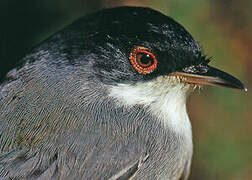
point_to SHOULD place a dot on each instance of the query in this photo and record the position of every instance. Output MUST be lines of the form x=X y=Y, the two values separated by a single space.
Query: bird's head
x=143 y=52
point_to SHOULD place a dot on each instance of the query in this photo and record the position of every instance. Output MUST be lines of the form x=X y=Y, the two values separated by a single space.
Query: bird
x=105 y=98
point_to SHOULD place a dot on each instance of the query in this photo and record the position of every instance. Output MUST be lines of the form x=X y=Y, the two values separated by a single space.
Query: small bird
x=105 y=98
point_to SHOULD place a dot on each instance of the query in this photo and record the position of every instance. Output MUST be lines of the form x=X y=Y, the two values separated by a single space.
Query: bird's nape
x=103 y=99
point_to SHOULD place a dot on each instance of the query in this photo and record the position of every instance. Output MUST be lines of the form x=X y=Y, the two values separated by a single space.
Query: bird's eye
x=143 y=60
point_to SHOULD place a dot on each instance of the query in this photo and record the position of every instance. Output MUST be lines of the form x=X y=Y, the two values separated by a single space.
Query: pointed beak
x=213 y=76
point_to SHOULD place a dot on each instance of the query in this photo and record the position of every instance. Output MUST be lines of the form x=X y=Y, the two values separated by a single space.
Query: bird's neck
x=167 y=103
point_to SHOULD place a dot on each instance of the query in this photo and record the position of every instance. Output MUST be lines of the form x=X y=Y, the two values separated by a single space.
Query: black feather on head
x=104 y=41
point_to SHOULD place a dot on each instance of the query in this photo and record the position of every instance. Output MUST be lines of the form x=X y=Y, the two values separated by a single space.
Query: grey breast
x=68 y=128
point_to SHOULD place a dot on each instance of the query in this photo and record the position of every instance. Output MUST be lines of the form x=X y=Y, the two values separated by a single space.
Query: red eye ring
x=143 y=67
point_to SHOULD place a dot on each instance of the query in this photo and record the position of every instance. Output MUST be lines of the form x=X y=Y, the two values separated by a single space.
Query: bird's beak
x=213 y=76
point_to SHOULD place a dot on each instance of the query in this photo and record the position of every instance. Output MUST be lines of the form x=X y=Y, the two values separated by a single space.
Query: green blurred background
x=221 y=118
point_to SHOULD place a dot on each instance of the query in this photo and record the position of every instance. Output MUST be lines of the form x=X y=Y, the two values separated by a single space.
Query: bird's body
x=77 y=109
x=76 y=138
x=79 y=128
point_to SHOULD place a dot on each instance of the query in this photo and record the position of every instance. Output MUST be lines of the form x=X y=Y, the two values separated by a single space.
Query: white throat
x=165 y=97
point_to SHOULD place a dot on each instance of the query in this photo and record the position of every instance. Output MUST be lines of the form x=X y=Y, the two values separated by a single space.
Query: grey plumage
x=78 y=134
x=77 y=107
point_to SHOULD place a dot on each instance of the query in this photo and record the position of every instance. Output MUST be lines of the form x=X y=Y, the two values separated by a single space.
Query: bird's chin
x=180 y=82
x=177 y=78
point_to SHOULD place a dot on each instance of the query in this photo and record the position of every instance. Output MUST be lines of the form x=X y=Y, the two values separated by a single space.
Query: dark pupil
x=145 y=59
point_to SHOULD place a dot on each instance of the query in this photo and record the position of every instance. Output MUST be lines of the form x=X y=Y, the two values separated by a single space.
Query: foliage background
x=221 y=118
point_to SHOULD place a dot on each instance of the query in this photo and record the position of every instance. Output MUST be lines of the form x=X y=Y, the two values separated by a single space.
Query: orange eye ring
x=143 y=60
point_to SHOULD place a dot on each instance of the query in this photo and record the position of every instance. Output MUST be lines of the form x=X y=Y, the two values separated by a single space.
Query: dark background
x=221 y=118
